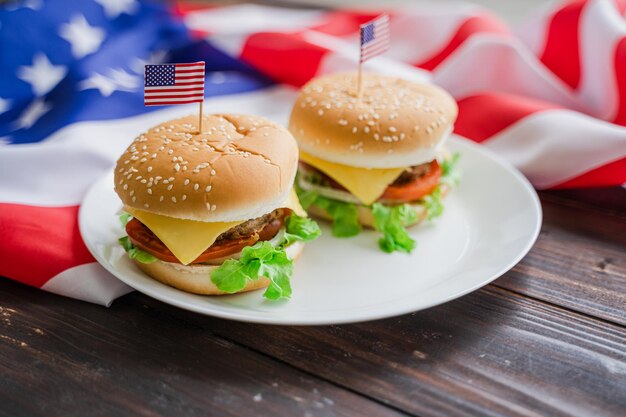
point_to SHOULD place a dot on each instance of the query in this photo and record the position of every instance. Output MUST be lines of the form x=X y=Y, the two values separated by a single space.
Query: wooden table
x=546 y=339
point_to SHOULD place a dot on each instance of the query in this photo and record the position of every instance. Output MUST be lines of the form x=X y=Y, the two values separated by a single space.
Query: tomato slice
x=144 y=239
x=415 y=189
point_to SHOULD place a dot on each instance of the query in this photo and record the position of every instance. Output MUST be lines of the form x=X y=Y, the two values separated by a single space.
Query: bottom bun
x=366 y=218
x=197 y=278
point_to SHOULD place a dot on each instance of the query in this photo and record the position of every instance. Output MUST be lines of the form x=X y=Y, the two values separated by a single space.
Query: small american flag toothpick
x=175 y=84
x=375 y=39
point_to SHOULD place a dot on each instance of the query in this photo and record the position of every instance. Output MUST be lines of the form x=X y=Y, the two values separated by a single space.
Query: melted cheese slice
x=187 y=239
x=367 y=184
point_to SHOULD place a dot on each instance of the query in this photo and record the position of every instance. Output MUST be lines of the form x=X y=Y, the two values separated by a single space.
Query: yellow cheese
x=187 y=239
x=367 y=184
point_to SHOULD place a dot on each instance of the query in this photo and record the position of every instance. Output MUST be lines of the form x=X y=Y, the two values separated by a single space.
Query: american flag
x=374 y=37
x=174 y=84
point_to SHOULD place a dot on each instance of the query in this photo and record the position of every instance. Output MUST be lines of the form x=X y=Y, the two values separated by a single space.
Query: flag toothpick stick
x=359 y=84
x=375 y=40
x=200 y=118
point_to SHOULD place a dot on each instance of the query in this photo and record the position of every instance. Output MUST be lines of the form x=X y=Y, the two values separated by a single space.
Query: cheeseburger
x=214 y=212
x=375 y=160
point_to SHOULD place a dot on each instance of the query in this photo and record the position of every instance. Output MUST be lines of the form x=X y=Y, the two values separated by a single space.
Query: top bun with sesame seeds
x=395 y=123
x=240 y=167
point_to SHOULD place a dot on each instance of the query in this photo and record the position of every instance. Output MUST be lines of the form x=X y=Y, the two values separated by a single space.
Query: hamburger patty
x=412 y=173
x=253 y=226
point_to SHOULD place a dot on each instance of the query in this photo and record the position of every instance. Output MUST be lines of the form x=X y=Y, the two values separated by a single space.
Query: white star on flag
x=83 y=38
x=32 y=113
x=114 y=8
x=5 y=104
x=42 y=75
x=118 y=80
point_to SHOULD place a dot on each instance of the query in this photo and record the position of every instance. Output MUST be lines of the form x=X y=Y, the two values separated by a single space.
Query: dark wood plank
x=60 y=357
x=579 y=260
x=491 y=353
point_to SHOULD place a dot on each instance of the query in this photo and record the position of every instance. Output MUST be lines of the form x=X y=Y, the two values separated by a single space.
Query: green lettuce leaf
x=307 y=198
x=345 y=216
x=391 y=222
x=450 y=173
x=300 y=229
x=433 y=204
x=124 y=218
x=261 y=259
x=136 y=253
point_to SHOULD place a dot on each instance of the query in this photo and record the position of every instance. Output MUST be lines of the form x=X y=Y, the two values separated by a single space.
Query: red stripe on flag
x=484 y=115
x=158 y=96
x=477 y=24
x=284 y=57
x=199 y=87
x=154 y=102
x=562 y=51
x=611 y=174
x=39 y=242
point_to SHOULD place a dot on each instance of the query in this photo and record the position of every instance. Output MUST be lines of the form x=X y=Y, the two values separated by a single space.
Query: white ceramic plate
x=490 y=222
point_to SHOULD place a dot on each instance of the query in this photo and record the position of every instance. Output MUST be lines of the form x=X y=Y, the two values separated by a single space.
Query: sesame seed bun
x=197 y=278
x=239 y=168
x=395 y=123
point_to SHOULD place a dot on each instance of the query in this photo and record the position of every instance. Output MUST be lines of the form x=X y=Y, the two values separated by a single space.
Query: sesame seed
x=320 y=112
x=177 y=167
x=170 y=152
x=169 y=187
x=213 y=172
x=125 y=187
x=134 y=199
x=196 y=186
x=146 y=205
x=161 y=198
x=184 y=197
x=149 y=169
x=213 y=207
x=366 y=129
x=354 y=129
x=208 y=188
x=143 y=181
x=132 y=193
x=186 y=182
x=392 y=129
x=150 y=191
x=173 y=199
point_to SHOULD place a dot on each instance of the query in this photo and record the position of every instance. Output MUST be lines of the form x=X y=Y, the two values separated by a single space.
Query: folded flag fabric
x=549 y=96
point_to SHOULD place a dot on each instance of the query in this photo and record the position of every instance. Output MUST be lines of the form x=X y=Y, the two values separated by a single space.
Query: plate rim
x=254 y=317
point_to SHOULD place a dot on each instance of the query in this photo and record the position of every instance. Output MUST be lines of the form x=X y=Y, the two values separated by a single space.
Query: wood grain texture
x=491 y=353
x=60 y=357
x=579 y=260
